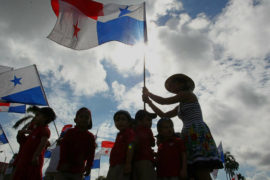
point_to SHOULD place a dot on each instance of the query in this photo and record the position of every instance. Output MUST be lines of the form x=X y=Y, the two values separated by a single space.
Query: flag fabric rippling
x=79 y=29
x=22 y=86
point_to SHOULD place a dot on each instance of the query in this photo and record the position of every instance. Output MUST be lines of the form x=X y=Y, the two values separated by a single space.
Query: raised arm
x=180 y=97
x=159 y=112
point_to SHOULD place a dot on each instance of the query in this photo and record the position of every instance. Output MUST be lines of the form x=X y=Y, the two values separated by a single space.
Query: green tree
x=240 y=177
x=230 y=164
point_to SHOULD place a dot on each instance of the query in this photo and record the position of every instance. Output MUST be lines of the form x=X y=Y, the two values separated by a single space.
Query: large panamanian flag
x=22 y=86
x=85 y=24
x=5 y=69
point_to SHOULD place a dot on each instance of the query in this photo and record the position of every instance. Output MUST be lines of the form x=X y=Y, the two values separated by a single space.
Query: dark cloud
x=223 y=119
x=249 y=97
x=266 y=160
x=27 y=18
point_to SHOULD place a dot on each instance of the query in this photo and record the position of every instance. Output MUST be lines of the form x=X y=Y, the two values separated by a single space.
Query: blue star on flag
x=16 y=80
x=124 y=11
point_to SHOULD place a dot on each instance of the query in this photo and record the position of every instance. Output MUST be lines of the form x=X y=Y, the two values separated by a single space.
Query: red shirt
x=24 y=169
x=169 y=160
x=77 y=148
x=145 y=140
x=21 y=139
x=119 y=150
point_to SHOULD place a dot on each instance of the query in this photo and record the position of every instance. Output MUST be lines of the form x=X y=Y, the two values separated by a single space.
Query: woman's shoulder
x=187 y=97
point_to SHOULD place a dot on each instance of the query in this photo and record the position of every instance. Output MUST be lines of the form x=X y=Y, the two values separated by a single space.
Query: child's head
x=122 y=120
x=83 y=118
x=165 y=128
x=44 y=116
x=144 y=118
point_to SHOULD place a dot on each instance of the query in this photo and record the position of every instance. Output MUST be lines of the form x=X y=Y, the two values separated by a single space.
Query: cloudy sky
x=223 y=45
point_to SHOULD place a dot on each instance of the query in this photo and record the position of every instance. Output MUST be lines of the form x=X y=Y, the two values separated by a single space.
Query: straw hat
x=179 y=77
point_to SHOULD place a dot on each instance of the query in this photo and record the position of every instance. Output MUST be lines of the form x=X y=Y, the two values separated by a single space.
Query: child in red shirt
x=29 y=165
x=171 y=155
x=144 y=154
x=77 y=148
x=122 y=151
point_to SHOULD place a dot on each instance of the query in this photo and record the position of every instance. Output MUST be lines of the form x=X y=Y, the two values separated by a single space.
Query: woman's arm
x=160 y=113
x=181 y=97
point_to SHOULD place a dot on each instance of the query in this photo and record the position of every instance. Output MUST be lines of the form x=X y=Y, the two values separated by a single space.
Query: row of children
x=77 y=148
x=132 y=155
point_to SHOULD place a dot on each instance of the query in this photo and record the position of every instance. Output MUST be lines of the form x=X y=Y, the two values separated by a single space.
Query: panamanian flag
x=5 y=69
x=84 y=24
x=22 y=86
x=106 y=148
x=3 y=138
x=12 y=107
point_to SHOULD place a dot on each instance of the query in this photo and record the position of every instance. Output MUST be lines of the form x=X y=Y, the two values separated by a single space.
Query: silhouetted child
x=171 y=155
x=77 y=148
x=144 y=155
x=51 y=171
x=31 y=156
x=122 y=151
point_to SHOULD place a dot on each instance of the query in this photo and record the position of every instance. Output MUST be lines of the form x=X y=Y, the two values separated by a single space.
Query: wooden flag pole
x=6 y=138
x=46 y=98
x=144 y=78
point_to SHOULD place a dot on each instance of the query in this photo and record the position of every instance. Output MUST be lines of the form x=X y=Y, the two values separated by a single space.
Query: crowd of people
x=191 y=154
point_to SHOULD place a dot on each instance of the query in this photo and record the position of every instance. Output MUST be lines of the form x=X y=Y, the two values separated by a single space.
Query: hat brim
x=171 y=80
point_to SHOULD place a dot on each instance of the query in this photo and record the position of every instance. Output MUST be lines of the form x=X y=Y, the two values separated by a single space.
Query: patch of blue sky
x=114 y=75
x=209 y=7
x=194 y=7
x=267 y=59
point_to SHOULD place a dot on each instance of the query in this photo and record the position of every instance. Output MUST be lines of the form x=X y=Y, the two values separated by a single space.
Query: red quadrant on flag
x=107 y=144
x=90 y=8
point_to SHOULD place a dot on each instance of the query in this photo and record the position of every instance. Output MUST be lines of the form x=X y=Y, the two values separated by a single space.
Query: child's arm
x=183 y=171
x=89 y=162
x=41 y=146
x=130 y=152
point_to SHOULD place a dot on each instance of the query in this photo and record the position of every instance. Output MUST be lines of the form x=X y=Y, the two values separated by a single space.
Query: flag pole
x=46 y=98
x=144 y=78
x=145 y=42
x=7 y=139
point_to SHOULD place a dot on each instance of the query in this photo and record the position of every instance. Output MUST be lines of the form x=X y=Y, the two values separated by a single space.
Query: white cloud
x=243 y=29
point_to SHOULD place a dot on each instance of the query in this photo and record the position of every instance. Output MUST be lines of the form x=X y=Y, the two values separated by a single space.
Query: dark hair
x=122 y=112
x=142 y=113
x=87 y=110
x=163 y=120
x=48 y=113
x=159 y=125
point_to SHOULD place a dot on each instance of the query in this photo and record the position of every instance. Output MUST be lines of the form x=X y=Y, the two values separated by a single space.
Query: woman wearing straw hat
x=202 y=154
